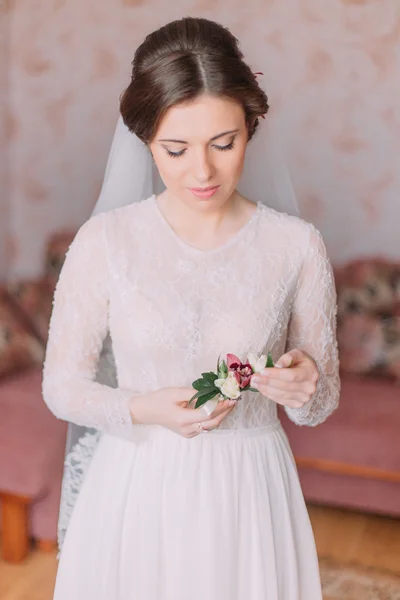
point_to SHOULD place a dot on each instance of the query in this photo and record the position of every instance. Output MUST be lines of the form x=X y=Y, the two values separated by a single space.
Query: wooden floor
x=347 y=537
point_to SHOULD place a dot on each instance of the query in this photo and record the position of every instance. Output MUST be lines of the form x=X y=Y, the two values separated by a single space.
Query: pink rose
x=241 y=371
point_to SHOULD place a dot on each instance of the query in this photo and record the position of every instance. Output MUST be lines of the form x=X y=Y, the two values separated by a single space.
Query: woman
x=179 y=504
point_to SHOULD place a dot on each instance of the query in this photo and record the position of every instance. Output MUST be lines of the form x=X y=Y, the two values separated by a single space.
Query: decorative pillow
x=56 y=250
x=19 y=345
x=25 y=310
x=35 y=299
x=369 y=345
x=369 y=317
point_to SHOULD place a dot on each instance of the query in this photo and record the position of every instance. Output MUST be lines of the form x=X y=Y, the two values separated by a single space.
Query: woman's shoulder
x=126 y=218
x=118 y=223
x=129 y=212
x=290 y=227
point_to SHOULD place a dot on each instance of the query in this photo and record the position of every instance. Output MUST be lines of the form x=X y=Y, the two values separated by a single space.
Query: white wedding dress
x=160 y=517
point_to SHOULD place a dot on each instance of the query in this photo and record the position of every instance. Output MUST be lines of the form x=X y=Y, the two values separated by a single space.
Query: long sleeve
x=312 y=328
x=78 y=327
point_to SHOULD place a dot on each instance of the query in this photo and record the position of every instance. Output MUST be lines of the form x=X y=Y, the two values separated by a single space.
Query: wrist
x=136 y=405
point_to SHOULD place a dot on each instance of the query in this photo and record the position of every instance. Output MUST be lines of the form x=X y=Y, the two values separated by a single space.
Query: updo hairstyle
x=182 y=61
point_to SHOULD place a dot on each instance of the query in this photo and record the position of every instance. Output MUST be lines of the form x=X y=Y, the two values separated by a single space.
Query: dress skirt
x=217 y=517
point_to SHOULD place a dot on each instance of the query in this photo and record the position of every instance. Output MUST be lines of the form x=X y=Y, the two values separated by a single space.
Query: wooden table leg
x=46 y=545
x=331 y=466
x=15 y=536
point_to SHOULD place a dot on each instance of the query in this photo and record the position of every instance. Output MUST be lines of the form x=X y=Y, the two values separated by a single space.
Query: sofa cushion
x=20 y=347
x=57 y=248
x=369 y=317
x=34 y=299
x=32 y=440
x=364 y=430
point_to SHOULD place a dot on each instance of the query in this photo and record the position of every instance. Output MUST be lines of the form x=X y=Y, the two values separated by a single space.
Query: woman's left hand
x=292 y=382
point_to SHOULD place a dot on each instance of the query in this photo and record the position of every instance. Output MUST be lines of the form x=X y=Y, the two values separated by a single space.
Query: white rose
x=229 y=386
x=257 y=363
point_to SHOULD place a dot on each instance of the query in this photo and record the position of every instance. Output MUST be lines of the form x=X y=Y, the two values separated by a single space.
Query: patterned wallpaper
x=4 y=188
x=331 y=70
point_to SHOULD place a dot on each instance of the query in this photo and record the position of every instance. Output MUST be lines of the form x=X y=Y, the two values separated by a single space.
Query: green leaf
x=211 y=377
x=197 y=385
x=194 y=397
x=270 y=362
x=205 y=398
x=205 y=392
x=200 y=384
x=207 y=384
x=250 y=389
x=208 y=390
x=223 y=370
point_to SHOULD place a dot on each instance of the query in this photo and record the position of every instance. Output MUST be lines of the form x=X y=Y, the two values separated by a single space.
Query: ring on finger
x=200 y=428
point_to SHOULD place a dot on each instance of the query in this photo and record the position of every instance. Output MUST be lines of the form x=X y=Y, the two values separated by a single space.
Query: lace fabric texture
x=170 y=310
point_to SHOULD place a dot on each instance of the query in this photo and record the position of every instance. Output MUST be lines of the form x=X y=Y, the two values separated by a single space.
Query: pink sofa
x=32 y=443
x=353 y=459
x=32 y=440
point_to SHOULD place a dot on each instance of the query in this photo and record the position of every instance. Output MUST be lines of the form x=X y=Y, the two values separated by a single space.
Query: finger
x=197 y=429
x=200 y=415
x=290 y=358
x=212 y=423
x=189 y=416
x=215 y=422
x=293 y=375
x=292 y=400
x=305 y=387
x=214 y=406
x=221 y=407
x=284 y=386
x=196 y=415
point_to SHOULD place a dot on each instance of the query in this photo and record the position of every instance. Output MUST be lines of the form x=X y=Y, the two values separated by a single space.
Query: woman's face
x=199 y=150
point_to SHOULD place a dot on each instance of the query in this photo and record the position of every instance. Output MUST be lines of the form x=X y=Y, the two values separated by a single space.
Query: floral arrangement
x=231 y=378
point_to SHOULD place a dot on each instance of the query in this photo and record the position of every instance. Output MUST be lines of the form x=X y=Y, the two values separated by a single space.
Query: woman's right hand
x=168 y=407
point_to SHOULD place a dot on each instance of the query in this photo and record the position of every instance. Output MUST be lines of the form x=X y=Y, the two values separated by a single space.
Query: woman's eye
x=175 y=154
x=223 y=148
x=182 y=152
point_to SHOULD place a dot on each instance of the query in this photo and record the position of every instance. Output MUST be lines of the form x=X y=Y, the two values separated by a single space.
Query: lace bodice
x=171 y=310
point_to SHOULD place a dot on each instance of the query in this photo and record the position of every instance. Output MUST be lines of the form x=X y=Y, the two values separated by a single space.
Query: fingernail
x=232 y=402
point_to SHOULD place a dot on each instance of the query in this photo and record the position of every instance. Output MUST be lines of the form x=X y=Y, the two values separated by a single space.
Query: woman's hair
x=181 y=61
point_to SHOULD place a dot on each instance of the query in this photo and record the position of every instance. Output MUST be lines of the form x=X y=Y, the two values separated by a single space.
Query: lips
x=205 y=192
x=206 y=189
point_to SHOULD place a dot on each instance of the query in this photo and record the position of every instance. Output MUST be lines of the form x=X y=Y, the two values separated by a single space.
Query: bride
x=177 y=502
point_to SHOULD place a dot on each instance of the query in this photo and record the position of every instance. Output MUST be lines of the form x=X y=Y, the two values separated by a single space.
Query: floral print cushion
x=19 y=346
x=34 y=299
x=25 y=310
x=369 y=317
x=56 y=250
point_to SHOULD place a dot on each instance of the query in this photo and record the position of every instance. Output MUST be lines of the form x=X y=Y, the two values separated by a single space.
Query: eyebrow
x=216 y=137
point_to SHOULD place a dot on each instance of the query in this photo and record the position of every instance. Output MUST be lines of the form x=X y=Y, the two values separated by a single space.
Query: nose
x=202 y=167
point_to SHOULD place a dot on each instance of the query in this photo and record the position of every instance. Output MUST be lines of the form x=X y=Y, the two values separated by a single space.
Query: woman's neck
x=206 y=229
